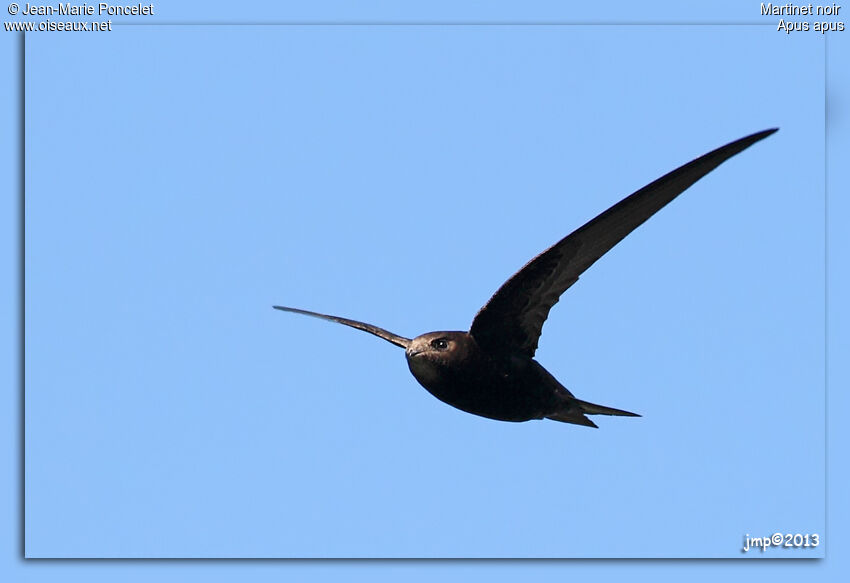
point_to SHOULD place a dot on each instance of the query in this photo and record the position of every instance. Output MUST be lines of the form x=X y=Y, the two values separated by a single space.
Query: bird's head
x=438 y=345
x=430 y=354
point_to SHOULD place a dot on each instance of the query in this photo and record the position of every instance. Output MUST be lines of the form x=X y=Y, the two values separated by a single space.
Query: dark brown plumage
x=490 y=370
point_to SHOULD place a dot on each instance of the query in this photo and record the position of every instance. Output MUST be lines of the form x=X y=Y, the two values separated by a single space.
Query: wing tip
x=297 y=311
x=763 y=134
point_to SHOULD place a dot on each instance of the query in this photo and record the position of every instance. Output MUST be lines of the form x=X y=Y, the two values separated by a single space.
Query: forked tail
x=594 y=409
x=577 y=410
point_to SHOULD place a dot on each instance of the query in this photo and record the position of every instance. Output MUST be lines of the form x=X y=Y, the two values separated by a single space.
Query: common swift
x=490 y=371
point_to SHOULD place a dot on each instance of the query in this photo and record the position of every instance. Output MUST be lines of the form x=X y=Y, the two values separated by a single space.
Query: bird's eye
x=440 y=343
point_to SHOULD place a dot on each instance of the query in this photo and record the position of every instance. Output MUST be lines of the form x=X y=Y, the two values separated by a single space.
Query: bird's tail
x=578 y=410
x=593 y=409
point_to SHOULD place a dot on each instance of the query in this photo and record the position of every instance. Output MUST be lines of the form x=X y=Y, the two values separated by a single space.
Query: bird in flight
x=490 y=371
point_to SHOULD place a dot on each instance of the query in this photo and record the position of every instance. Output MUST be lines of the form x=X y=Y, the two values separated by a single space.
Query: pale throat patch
x=423 y=369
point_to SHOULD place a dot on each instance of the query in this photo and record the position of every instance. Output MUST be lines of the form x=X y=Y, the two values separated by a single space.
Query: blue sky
x=182 y=179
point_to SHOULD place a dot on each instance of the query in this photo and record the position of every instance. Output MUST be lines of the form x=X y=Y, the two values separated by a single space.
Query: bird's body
x=490 y=371
x=467 y=377
x=506 y=388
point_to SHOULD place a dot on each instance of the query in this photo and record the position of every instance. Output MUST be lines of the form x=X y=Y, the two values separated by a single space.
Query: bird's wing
x=511 y=322
x=379 y=332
